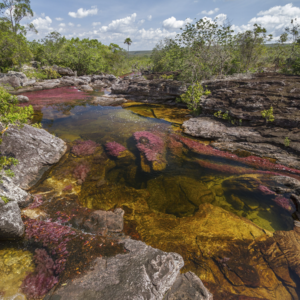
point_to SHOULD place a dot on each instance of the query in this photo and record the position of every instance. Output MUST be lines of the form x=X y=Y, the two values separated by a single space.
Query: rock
x=13 y=79
x=78 y=81
x=63 y=71
x=253 y=140
x=101 y=222
x=67 y=82
x=86 y=79
x=35 y=149
x=107 y=101
x=22 y=98
x=13 y=192
x=188 y=286
x=143 y=273
x=86 y=88
x=11 y=225
x=141 y=88
x=29 y=82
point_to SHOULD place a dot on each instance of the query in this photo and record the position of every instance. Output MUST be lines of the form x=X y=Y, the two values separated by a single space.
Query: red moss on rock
x=80 y=172
x=151 y=145
x=114 y=148
x=285 y=203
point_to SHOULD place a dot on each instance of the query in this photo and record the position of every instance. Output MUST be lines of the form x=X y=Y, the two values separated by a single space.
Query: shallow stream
x=198 y=202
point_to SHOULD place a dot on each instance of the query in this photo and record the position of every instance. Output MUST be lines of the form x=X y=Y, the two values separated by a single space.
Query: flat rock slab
x=35 y=149
x=107 y=101
x=11 y=225
x=143 y=273
x=188 y=286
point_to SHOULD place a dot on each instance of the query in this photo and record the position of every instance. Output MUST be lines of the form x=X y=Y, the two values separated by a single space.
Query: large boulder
x=22 y=98
x=11 y=225
x=35 y=149
x=63 y=71
x=143 y=273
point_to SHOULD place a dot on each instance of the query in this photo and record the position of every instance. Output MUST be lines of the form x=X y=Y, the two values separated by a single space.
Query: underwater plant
x=149 y=144
x=84 y=148
x=80 y=172
x=38 y=283
x=266 y=190
x=285 y=203
x=114 y=148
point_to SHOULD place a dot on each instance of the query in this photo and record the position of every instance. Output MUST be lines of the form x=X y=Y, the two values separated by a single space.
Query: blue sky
x=147 y=22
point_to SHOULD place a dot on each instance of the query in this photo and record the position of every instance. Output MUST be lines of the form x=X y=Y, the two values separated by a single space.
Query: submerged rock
x=188 y=286
x=35 y=149
x=143 y=273
x=11 y=225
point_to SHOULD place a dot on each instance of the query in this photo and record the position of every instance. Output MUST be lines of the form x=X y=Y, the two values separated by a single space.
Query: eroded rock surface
x=188 y=286
x=35 y=149
x=11 y=225
x=143 y=273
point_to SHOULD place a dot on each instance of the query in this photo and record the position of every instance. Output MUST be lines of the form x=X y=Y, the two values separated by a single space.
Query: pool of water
x=196 y=201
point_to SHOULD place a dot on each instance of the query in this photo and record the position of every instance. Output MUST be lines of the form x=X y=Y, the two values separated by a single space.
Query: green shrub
x=287 y=142
x=268 y=115
x=192 y=97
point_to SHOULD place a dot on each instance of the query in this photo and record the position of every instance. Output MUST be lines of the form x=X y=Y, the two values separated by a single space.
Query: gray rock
x=188 y=286
x=150 y=89
x=86 y=79
x=86 y=88
x=35 y=149
x=67 y=82
x=63 y=71
x=102 y=222
x=206 y=127
x=107 y=101
x=29 y=82
x=78 y=81
x=22 y=98
x=11 y=225
x=143 y=273
x=13 y=192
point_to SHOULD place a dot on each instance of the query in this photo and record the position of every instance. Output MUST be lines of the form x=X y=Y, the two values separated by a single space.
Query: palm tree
x=128 y=41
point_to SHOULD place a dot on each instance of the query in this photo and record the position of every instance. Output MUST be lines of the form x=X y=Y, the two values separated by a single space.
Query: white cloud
x=43 y=14
x=210 y=12
x=78 y=25
x=58 y=19
x=70 y=24
x=62 y=25
x=41 y=23
x=82 y=13
x=96 y=24
x=275 y=19
x=149 y=18
x=141 y=22
x=172 y=23
x=121 y=25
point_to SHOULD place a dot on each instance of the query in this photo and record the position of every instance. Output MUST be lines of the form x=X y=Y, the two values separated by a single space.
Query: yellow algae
x=15 y=265
x=168 y=113
x=34 y=213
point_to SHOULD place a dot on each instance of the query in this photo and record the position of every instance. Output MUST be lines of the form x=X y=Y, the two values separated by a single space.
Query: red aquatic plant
x=266 y=190
x=80 y=172
x=37 y=201
x=151 y=145
x=285 y=203
x=55 y=237
x=114 y=148
x=68 y=187
x=37 y=284
x=253 y=161
x=84 y=148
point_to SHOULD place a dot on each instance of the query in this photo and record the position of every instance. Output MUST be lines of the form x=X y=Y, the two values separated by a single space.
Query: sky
x=147 y=22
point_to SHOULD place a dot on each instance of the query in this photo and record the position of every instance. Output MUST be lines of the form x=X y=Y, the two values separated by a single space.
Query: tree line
x=207 y=48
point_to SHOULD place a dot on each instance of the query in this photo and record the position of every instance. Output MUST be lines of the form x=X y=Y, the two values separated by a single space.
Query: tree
x=128 y=41
x=14 y=11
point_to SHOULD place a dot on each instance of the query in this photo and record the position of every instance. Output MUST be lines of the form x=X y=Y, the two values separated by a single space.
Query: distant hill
x=140 y=53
